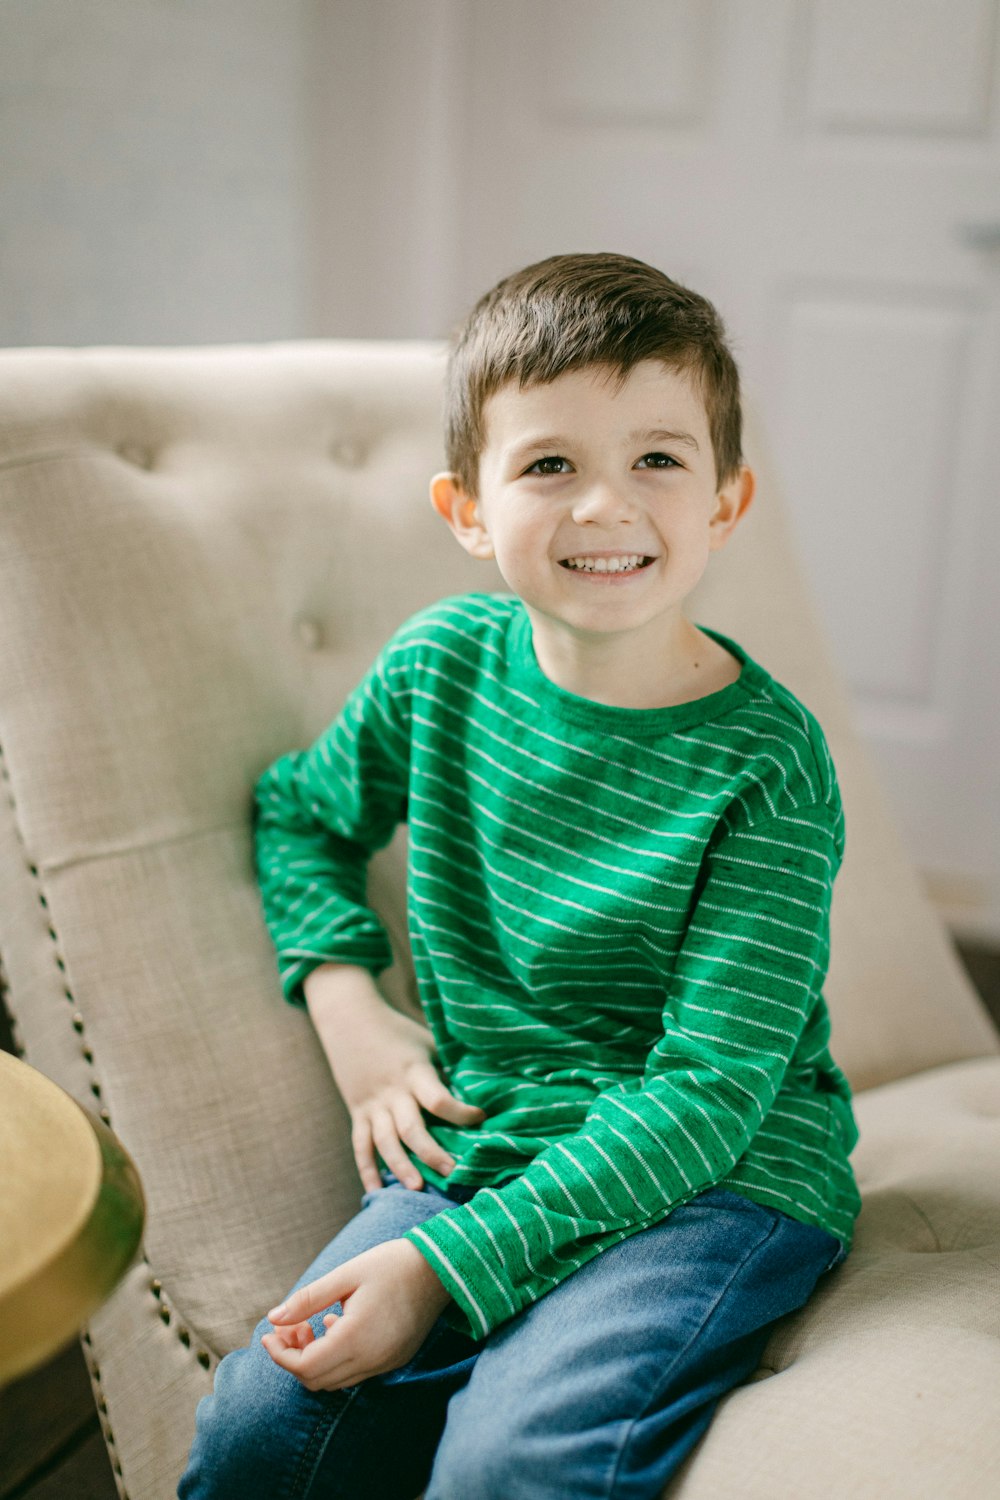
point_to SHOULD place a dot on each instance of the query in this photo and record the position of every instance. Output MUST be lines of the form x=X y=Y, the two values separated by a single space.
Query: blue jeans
x=599 y=1389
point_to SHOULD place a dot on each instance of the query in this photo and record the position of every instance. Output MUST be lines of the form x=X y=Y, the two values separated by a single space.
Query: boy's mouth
x=632 y=562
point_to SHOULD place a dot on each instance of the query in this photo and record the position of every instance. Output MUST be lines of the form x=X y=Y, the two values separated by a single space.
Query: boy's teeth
x=604 y=564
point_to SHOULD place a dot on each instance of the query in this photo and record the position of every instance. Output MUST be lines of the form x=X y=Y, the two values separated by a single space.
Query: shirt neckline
x=526 y=674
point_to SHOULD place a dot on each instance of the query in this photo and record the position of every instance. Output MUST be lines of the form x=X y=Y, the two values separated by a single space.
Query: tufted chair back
x=201 y=550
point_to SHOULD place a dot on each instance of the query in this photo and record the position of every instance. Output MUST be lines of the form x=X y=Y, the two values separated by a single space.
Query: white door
x=829 y=172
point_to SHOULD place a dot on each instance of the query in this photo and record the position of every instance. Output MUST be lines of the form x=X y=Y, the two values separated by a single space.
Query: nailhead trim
x=94 y=1371
x=77 y=1018
x=168 y=1317
x=203 y=1356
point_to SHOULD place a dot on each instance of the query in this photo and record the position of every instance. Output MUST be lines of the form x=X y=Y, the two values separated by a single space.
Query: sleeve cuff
x=295 y=965
x=476 y=1308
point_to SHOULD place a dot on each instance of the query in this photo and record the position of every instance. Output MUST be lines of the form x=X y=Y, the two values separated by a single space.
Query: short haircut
x=572 y=311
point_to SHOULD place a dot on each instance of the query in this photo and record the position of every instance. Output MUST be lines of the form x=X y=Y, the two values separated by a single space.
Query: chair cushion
x=887 y=1384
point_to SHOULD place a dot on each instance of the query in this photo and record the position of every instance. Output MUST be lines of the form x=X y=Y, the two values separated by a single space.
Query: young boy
x=618 y=1151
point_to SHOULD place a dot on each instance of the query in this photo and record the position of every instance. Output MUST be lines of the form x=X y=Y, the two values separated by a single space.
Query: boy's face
x=599 y=503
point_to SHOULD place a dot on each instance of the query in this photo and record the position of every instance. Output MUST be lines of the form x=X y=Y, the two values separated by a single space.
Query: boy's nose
x=601 y=503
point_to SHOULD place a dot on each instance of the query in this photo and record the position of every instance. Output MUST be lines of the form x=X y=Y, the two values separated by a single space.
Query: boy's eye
x=657 y=461
x=550 y=465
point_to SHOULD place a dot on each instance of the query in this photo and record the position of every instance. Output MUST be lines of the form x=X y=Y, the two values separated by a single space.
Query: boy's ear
x=732 y=503
x=461 y=511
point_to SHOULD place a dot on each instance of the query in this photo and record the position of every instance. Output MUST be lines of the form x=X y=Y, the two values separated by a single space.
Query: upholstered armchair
x=200 y=552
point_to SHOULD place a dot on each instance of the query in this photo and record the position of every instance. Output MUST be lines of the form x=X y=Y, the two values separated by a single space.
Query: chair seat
x=893 y=1370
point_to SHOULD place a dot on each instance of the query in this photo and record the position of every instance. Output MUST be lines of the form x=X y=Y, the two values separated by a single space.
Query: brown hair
x=571 y=311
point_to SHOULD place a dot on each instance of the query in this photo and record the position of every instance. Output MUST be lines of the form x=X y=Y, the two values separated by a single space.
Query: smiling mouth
x=631 y=563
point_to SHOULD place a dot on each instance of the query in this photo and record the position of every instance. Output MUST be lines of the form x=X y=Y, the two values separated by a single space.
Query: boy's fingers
x=296 y=1336
x=364 y=1155
x=425 y=1147
x=318 y=1367
x=332 y=1287
x=286 y=1355
x=414 y=1133
x=386 y=1139
x=432 y=1094
x=292 y=1335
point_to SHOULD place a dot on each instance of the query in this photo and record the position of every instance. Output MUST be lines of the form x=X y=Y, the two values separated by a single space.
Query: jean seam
x=702 y=1326
x=319 y=1440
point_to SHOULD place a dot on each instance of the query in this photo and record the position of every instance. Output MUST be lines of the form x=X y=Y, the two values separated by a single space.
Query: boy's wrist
x=432 y=1289
x=332 y=987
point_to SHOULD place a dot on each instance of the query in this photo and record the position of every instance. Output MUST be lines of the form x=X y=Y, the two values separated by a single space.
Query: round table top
x=71 y=1215
x=52 y=1170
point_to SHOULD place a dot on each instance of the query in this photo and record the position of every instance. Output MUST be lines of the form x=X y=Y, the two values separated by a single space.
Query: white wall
x=153 y=171
x=387 y=96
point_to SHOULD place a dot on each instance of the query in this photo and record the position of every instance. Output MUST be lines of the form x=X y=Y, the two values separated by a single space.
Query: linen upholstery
x=200 y=552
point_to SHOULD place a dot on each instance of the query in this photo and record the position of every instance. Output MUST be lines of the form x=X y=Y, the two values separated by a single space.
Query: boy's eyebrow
x=556 y=442
x=537 y=445
x=662 y=435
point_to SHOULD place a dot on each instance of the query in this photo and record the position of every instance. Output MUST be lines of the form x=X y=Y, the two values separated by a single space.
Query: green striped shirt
x=620 y=927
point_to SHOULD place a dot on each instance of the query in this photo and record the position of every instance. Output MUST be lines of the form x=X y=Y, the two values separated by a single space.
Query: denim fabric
x=599 y=1389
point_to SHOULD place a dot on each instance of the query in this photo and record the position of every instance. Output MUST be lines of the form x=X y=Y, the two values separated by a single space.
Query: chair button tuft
x=135 y=453
x=310 y=633
x=348 y=452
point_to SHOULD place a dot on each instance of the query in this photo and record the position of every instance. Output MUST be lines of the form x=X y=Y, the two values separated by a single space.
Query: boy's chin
x=584 y=620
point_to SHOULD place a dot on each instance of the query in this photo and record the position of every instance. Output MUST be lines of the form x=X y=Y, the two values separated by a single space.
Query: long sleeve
x=319 y=816
x=738 y=1006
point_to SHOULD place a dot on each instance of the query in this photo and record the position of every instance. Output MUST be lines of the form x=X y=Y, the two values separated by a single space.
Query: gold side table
x=71 y=1216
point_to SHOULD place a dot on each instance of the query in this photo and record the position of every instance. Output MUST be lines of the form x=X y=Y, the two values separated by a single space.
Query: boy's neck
x=620 y=672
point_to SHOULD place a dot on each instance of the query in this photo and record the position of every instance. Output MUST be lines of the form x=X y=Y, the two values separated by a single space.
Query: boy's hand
x=391 y=1300
x=381 y=1062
